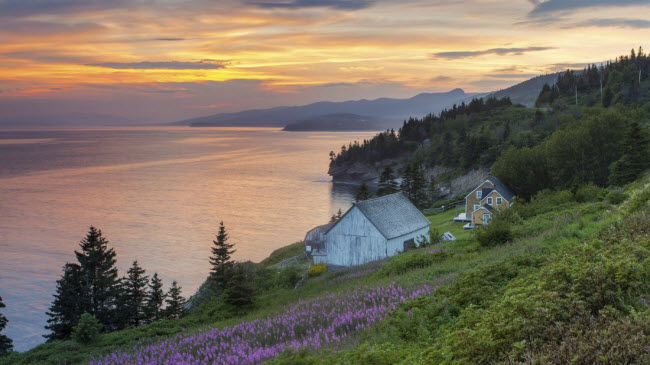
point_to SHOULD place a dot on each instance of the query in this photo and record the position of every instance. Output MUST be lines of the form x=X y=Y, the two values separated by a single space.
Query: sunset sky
x=146 y=61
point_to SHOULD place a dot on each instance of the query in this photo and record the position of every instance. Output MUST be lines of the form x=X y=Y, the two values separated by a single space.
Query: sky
x=158 y=61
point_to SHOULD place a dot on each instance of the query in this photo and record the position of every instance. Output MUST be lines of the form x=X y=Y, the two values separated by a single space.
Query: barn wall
x=396 y=245
x=354 y=241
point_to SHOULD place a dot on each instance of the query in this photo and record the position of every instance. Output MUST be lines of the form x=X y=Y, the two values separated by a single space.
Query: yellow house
x=487 y=198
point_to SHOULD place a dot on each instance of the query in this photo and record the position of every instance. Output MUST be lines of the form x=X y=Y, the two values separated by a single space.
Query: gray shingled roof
x=502 y=188
x=394 y=215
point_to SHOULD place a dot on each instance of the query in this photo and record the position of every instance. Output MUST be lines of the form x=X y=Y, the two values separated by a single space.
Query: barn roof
x=393 y=215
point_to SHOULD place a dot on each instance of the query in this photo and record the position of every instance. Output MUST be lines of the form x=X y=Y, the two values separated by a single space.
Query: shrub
x=289 y=277
x=434 y=236
x=406 y=262
x=87 y=330
x=317 y=269
x=495 y=233
x=616 y=196
x=590 y=193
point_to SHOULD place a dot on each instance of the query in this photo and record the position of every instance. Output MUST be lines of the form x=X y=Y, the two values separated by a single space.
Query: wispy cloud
x=297 y=4
x=19 y=8
x=551 y=6
x=497 y=51
x=170 y=65
x=515 y=76
x=613 y=22
x=169 y=39
x=441 y=79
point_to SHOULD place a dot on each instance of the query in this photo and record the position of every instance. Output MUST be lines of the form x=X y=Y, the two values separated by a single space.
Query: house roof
x=393 y=215
x=489 y=208
x=502 y=188
x=322 y=228
x=485 y=192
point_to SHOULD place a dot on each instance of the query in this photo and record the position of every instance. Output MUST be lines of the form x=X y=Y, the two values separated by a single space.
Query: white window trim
x=499 y=201
x=476 y=206
x=479 y=194
x=489 y=200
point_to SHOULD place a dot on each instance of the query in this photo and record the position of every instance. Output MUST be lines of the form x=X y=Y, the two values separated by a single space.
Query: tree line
x=90 y=296
x=607 y=147
x=420 y=191
x=92 y=287
x=415 y=131
x=618 y=81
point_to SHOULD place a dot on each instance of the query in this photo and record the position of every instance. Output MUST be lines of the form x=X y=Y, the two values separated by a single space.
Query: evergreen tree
x=221 y=259
x=156 y=298
x=414 y=185
x=337 y=216
x=133 y=305
x=635 y=157
x=387 y=184
x=66 y=307
x=434 y=192
x=240 y=290
x=363 y=193
x=6 y=345
x=175 y=302
x=99 y=281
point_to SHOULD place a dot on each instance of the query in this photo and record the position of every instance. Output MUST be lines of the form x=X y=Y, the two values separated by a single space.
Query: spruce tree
x=387 y=184
x=6 y=345
x=240 y=290
x=99 y=280
x=156 y=298
x=363 y=193
x=339 y=214
x=434 y=192
x=134 y=296
x=175 y=302
x=66 y=307
x=221 y=259
x=635 y=157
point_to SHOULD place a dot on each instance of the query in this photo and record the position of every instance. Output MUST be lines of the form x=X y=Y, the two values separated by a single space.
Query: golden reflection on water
x=158 y=195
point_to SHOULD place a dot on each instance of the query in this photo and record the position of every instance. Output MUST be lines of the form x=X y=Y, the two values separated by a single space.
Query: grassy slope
x=482 y=275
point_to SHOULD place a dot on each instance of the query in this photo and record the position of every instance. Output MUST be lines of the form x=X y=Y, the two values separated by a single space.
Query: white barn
x=371 y=230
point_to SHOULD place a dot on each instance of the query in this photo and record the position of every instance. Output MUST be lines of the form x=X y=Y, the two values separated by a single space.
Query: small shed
x=371 y=230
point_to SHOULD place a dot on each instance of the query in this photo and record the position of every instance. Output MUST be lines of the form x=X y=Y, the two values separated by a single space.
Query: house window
x=476 y=206
x=499 y=201
x=489 y=201
x=479 y=194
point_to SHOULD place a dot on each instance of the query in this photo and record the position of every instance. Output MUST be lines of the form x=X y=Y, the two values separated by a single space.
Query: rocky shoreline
x=358 y=173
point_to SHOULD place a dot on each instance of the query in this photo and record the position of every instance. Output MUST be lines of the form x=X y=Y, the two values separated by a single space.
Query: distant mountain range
x=378 y=114
x=526 y=92
x=365 y=114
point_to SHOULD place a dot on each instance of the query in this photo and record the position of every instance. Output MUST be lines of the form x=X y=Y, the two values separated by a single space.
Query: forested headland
x=591 y=125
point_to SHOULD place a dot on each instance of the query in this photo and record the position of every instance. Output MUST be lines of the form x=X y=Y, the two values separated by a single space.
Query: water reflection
x=158 y=194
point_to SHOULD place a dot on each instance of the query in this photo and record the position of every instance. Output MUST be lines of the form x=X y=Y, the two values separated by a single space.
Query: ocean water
x=158 y=194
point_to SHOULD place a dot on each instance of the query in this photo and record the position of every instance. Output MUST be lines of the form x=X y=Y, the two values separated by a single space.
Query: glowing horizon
x=197 y=57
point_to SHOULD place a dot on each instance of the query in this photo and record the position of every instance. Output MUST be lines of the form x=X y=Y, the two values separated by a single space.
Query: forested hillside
x=600 y=136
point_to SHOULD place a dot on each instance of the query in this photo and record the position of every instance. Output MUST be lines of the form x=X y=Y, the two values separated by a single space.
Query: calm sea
x=158 y=195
